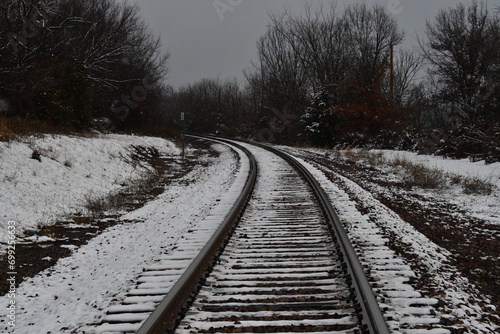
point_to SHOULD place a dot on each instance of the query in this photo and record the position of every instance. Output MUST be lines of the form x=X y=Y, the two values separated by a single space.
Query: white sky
x=202 y=45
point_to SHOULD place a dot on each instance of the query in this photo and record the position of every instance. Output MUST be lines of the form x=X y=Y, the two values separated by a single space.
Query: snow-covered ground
x=464 y=167
x=76 y=291
x=481 y=206
x=364 y=227
x=354 y=203
x=33 y=193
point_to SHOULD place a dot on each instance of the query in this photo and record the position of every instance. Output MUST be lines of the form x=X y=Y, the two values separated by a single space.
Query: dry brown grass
x=98 y=205
x=6 y=133
x=421 y=176
x=430 y=178
x=477 y=186
x=372 y=158
x=12 y=127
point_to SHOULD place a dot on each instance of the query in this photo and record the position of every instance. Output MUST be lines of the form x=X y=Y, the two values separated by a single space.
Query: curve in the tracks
x=166 y=313
x=288 y=267
x=303 y=253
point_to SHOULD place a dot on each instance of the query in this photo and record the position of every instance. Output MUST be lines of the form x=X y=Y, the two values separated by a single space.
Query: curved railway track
x=281 y=261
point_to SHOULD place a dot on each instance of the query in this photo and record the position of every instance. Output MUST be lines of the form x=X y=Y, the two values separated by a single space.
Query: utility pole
x=183 y=140
x=392 y=77
x=260 y=96
x=261 y=88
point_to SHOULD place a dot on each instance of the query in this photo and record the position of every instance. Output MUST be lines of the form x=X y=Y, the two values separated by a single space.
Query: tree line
x=328 y=77
x=337 y=77
x=74 y=63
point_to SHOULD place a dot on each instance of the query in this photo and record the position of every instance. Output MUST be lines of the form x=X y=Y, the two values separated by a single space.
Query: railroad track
x=280 y=262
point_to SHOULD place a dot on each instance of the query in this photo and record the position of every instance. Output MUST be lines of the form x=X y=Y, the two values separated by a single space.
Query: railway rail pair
x=280 y=261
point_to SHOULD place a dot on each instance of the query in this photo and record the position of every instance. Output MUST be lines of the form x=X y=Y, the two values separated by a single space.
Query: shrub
x=423 y=177
x=10 y=127
x=374 y=158
x=6 y=133
x=477 y=186
x=97 y=204
x=474 y=141
x=418 y=175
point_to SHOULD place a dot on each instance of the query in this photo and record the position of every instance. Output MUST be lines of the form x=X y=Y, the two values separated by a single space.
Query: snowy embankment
x=75 y=293
x=460 y=298
x=464 y=167
x=482 y=206
x=456 y=176
x=37 y=193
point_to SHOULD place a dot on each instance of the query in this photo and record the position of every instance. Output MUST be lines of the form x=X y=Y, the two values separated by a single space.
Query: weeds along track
x=279 y=262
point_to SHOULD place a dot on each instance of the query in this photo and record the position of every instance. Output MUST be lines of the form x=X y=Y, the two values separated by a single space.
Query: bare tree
x=68 y=60
x=370 y=33
x=407 y=66
x=328 y=58
x=211 y=106
x=317 y=41
x=24 y=29
x=103 y=35
x=463 y=49
x=282 y=77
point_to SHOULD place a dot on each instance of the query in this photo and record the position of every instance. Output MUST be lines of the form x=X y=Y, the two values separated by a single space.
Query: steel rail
x=373 y=318
x=164 y=317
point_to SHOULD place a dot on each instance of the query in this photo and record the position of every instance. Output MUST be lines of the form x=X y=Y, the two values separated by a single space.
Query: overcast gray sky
x=210 y=38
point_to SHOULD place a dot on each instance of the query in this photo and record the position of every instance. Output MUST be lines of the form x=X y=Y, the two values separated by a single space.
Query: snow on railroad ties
x=364 y=231
x=291 y=289
x=157 y=279
x=72 y=296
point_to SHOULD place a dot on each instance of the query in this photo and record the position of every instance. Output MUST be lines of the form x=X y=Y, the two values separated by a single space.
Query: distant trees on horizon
x=324 y=79
x=331 y=77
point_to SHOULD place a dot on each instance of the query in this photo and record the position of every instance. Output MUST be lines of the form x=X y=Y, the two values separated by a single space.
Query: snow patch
x=34 y=194
x=74 y=293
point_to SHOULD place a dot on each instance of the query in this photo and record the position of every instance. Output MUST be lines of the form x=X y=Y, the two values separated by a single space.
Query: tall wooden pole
x=392 y=77
x=183 y=133
x=261 y=95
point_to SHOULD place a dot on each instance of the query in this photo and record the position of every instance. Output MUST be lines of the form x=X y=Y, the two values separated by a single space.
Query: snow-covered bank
x=77 y=290
x=484 y=206
x=464 y=167
x=34 y=193
x=458 y=177
x=463 y=307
